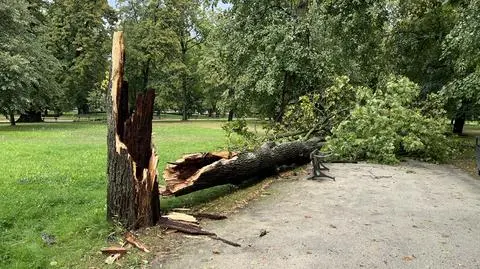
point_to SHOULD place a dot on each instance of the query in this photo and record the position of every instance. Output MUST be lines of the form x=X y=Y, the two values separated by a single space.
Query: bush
x=387 y=123
x=239 y=137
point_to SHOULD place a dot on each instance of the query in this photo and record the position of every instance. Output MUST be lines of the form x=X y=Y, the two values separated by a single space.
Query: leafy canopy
x=385 y=124
x=27 y=67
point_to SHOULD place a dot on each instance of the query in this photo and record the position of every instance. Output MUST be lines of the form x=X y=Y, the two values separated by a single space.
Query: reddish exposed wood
x=180 y=174
x=132 y=239
x=114 y=250
x=138 y=131
x=182 y=227
x=203 y=170
x=190 y=164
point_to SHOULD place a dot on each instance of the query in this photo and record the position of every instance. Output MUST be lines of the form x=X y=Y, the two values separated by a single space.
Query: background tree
x=211 y=65
x=186 y=21
x=418 y=29
x=151 y=44
x=269 y=56
x=80 y=37
x=349 y=38
x=161 y=37
x=27 y=82
x=463 y=44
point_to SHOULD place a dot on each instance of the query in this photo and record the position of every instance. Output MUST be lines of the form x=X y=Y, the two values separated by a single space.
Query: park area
x=53 y=183
x=239 y=134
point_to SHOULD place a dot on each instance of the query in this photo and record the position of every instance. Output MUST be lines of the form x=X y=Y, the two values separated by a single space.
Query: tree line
x=236 y=57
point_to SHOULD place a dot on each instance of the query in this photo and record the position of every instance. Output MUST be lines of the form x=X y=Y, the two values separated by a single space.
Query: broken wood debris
x=188 y=228
x=112 y=258
x=228 y=242
x=181 y=217
x=182 y=227
x=132 y=239
x=263 y=232
x=114 y=250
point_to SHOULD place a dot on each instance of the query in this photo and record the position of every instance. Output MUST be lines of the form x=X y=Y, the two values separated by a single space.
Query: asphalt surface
x=415 y=215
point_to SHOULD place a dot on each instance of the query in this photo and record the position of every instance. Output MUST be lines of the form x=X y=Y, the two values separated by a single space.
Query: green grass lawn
x=52 y=180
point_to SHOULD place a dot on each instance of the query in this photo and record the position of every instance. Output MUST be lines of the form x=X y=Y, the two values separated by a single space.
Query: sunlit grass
x=52 y=180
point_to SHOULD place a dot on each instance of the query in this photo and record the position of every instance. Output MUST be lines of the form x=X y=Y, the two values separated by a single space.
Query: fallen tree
x=204 y=170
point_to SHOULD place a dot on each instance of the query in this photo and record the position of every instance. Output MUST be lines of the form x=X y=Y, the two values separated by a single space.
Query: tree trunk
x=12 y=118
x=146 y=74
x=213 y=110
x=185 y=100
x=283 y=98
x=231 y=95
x=183 y=45
x=31 y=116
x=458 y=124
x=132 y=197
x=204 y=170
x=83 y=109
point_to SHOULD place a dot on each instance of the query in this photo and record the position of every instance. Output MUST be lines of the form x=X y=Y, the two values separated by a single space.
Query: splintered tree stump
x=133 y=197
x=204 y=170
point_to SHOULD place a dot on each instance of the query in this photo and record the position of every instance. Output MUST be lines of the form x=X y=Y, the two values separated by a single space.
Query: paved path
x=411 y=216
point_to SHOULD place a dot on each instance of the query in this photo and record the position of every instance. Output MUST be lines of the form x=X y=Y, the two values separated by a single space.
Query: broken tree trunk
x=132 y=197
x=200 y=171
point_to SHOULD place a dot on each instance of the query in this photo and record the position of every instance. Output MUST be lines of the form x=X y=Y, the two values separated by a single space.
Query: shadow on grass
x=28 y=127
x=198 y=198
x=195 y=198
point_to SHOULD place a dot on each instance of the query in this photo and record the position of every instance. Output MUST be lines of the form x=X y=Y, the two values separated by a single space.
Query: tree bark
x=231 y=112
x=83 y=109
x=185 y=98
x=132 y=197
x=204 y=170
x=12 y=118
x=458 y=124
x=146 y=74
x=230 y=115
x=283 y=98
x=31 y=116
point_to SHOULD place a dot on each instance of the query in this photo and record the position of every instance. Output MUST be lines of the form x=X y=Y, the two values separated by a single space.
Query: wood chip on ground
x=130 y=238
